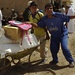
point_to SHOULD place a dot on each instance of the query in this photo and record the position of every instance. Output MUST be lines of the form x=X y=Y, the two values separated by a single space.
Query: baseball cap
x=33 y=4
x=29 y=2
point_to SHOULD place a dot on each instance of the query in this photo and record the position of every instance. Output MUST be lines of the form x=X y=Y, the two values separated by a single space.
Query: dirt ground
x=38 y=68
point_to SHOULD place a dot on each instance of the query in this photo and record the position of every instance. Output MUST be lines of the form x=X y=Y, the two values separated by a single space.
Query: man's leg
x=54 y=47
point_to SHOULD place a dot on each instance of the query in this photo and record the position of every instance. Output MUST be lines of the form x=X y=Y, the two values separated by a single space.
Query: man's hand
x=33 y=24
x=47 y=34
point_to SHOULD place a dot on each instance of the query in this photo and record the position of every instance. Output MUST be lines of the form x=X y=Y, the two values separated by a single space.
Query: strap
x=36 y=17
x=39 y=15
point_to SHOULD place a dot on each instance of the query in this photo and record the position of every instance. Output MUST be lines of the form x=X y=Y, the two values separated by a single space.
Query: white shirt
x=71 y=22
x=63 y=10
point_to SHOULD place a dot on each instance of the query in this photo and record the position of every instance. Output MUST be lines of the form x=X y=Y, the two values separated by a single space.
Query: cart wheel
x=4 y=65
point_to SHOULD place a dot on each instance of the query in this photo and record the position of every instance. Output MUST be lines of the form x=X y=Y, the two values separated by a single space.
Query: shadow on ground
x=33 y=67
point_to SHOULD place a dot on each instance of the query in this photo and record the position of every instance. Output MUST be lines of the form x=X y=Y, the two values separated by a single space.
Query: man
x=63 y=9
x=70 y=24
x=54 y=22
x=14 y=14
x=34 y=17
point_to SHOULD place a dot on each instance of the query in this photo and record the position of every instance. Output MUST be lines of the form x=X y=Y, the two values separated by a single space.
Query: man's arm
x=72 y=17
x=33 y=24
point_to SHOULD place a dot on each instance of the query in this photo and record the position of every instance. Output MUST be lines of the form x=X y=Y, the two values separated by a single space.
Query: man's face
x=33 y=9
x=49 y=10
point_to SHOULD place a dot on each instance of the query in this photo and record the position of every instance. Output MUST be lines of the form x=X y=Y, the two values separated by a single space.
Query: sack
x=13 y=33
x=26 y=43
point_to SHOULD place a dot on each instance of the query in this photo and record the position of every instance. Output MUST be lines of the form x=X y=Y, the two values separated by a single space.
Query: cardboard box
x=12 y=32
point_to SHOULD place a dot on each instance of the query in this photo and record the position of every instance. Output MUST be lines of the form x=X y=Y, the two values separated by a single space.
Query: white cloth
x=9 y=48
x=71 y=22
x=63 y=10
x=0 y=18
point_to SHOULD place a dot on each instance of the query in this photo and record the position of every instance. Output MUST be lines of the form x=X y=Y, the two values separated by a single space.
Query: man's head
x=49 y=9
x=33 y=7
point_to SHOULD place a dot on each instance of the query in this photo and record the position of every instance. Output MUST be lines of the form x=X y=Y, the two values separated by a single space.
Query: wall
x=19 y=5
